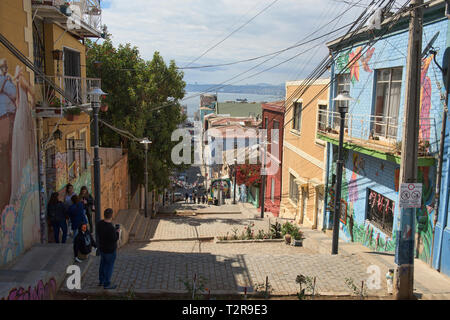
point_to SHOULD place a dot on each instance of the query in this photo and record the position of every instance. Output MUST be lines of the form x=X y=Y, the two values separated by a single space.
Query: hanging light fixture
x=57 y=135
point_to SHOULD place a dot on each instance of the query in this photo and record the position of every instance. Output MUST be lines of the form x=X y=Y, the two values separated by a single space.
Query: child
x=83 y=243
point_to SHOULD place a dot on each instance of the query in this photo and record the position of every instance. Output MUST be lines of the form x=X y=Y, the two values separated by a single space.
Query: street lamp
x=146 y=142
x=95 y=95
x=234 y=191
x=343 y=98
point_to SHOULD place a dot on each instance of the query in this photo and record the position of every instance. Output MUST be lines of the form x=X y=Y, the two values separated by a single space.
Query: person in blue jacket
x=76 y=214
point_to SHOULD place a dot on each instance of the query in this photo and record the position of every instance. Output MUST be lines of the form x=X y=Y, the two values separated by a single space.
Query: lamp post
x=235 y=181
x=146 y=142
x=95 y=95
x=343 y=98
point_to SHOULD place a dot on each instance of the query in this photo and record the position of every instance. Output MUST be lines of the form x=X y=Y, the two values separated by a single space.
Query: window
x=305 y=196
x=322 y=117
x=272 y=190
x=380 y=211
x=297 y=122
x=387 y=104
x=50 y=158
x=343 y=84
x=293 y=189
x=276 y=126
x=235 y=143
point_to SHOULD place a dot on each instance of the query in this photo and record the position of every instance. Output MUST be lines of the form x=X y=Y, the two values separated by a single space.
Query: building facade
x=273 y=119
x=375 y=78
x=303 y=165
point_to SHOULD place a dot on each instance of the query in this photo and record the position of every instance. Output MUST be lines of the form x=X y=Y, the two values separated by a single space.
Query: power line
x=234 y=31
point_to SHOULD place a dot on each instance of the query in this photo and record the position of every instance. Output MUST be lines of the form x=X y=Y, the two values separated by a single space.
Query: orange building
x=303 y=164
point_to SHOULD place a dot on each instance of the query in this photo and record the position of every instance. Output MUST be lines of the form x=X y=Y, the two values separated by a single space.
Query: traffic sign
x=410 y=195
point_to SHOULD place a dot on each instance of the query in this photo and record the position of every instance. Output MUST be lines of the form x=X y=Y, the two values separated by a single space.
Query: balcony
x=375 y=135
x=50 y=103
x=84 y=20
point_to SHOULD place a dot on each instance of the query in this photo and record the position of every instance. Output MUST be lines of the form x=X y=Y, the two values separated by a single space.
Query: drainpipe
x=41 y=181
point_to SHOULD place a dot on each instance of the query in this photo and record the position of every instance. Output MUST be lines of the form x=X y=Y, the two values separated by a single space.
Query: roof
x=239 y=109
x=318 y=82
x=277 y=106
x=237 y=131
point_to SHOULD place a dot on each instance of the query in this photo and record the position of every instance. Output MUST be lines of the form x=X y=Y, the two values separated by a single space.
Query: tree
x=143 y=99
x=248 y=174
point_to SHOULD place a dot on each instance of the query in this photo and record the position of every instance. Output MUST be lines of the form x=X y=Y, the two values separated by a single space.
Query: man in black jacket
x=108 y=235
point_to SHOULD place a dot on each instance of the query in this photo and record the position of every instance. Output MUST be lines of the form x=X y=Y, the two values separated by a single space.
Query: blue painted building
x=375 y=78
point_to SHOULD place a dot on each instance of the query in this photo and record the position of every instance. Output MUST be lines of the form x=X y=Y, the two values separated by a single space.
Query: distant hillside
x=250 y=89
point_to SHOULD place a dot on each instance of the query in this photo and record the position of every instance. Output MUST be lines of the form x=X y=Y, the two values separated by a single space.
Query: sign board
x=76 y=144
x=410 y=195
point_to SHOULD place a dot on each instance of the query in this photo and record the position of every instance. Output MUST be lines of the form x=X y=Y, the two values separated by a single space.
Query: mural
x=424 y=215
x=41 y=291
x=350 y=60
x=19 y=191
x=425 y=101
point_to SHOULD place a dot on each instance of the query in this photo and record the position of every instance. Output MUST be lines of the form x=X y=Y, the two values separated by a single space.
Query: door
x=72 y=74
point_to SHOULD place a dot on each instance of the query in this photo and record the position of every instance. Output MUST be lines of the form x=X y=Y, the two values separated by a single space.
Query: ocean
x=193 y=103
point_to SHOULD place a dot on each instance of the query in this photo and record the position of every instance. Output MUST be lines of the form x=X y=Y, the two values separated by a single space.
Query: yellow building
x=303 y=154
x=60 y=53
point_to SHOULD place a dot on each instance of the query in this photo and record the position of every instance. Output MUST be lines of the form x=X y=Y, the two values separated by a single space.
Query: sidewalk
x=38 y=273
x=428 y=283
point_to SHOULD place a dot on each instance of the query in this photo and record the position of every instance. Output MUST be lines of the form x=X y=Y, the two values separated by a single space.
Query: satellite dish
x=429 y=45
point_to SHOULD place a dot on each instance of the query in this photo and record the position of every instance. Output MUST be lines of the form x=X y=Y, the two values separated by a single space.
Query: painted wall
x=363 y=171
x=303 y=154
x=19 y=197
x=273 y=205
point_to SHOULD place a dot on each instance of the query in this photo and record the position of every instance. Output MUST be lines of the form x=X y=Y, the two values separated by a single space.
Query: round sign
x=405 y=195
x=411 y=186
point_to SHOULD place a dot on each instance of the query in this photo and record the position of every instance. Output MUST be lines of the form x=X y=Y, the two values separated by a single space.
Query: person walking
x=108 y=234
x=76 y=215
x=56 y=212
x=68 y=196
x=186 y=197
x=190 y=198
x=83 y=243
x=88 y=203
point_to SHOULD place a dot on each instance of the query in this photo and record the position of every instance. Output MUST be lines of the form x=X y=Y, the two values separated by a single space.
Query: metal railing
x=89 y=10
x=380 y=131
x=75 y=88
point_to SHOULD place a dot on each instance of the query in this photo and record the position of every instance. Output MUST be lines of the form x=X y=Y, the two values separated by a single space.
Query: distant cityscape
x=263 y=89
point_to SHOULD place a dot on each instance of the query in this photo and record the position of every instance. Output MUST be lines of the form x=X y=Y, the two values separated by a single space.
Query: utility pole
x=264 y=178
x=404 y=255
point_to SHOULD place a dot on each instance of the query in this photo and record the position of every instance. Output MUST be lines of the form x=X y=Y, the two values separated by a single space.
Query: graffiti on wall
x=350 y=61
x=424 y=215
x=425 y=101
x=42 y=291
x=19 y=192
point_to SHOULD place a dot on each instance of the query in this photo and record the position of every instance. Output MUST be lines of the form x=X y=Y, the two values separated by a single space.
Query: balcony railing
x=87 y=11
x=75 y=89
x=376 y=132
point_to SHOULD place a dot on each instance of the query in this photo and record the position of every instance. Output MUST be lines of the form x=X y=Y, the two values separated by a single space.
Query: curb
x=248 y=241
x=173 y=239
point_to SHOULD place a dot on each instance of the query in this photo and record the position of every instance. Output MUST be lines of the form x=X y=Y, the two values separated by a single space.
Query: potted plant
x=286 y=230
x=297 y=238
x=72 y=113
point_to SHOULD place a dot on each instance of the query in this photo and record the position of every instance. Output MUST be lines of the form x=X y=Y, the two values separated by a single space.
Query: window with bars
x=50 y=158
x=322 y=117
x=380 y=211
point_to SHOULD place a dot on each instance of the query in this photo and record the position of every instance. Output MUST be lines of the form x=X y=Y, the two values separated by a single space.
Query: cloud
x=182 y=30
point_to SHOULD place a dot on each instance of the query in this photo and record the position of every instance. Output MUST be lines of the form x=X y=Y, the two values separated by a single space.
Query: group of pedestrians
x=194 y=198
x=76 y=210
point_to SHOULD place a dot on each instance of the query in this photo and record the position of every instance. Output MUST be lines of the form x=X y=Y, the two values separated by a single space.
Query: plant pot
x=287 y=238
x=297 y=243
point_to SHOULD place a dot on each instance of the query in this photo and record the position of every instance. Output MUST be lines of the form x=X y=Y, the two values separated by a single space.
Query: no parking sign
x=410 y=195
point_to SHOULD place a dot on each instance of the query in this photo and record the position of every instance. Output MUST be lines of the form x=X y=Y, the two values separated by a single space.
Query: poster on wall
x=410 y=195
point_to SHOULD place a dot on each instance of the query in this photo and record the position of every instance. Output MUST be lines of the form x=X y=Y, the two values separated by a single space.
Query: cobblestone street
x=160 y=266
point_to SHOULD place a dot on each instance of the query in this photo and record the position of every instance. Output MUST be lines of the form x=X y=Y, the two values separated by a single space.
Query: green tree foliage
x=137 y=89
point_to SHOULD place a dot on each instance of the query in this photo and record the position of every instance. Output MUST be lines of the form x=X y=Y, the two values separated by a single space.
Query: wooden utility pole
x=404 y=255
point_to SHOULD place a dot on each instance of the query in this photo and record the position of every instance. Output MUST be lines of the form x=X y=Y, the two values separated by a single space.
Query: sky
x=182 y=30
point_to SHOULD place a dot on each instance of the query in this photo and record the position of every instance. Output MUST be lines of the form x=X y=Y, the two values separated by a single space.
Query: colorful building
x=273 y=119
x=375 y=78
x=303 y=164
